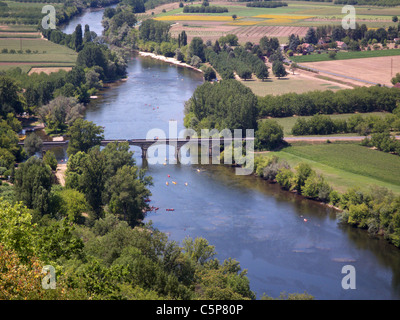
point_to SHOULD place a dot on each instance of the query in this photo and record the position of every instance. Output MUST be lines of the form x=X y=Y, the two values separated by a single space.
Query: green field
x=288 y=122
x=315 y=57
x=48 y=52
x=346 y=165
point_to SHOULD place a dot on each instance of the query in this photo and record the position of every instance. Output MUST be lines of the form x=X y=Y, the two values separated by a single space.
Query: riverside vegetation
x=91 y=230
x=229 y=104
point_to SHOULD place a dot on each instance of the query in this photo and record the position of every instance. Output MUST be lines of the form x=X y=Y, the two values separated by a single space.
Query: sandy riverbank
x=168 y=60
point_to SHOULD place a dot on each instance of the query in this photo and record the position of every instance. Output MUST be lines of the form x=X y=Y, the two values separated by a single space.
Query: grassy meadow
x=346 y=165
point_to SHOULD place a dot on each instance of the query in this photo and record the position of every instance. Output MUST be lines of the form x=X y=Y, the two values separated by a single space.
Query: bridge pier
x=144 y=152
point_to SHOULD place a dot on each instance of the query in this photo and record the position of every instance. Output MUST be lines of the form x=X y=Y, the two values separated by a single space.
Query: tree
x=32 y=144
x=9 y=99
x=137 y=5
x=209 y=74
x=261 y=71
x=196 y=48
x=127 y=192
x=395 y=79
x=278 y=69
x=230 y=39
x=33 y=181
x=78 y=37
x=216 y=47
x=234 y=16
x=303 y=171
x=395 y=19
x=83 y=136
x=73 y=204
x=311 y=36
x=49 y=158
x=91 y=55
x=183 y=38
x=332 y=54
x=285 y=177
x=92 y=179
x=60 y=112
x=269 y=134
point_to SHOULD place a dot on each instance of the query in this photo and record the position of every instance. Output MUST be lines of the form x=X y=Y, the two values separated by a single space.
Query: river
x=245 y=218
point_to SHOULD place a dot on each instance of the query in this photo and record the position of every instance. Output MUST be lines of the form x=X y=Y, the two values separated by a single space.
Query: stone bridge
x=145 y=144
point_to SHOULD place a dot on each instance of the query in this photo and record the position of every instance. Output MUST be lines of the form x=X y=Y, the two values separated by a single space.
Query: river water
x=245 y=218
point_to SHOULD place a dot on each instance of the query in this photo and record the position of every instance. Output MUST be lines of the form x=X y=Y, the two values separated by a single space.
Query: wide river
x=244 y=217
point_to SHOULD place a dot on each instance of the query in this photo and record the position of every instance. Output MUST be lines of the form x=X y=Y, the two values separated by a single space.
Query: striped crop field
x=194 y=18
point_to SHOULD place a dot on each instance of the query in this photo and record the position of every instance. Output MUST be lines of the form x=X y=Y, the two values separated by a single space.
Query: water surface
x=285 y=242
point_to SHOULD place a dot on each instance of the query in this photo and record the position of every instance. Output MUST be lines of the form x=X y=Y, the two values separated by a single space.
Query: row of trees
x=382 y=3
x=267 y=4
x=204 y=9
x=362 y=99
x=355 y=39
x=364 y=125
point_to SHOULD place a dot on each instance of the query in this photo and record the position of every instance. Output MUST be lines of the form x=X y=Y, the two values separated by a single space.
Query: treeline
x=267 y=4
x=377 y=210
x=356 y=39
x=382 y=3
x=363 y=125
x=204 y=9
x=362 y=99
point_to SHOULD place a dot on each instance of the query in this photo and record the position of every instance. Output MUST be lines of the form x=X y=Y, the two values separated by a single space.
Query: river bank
x=168 y=60
x=257 y=223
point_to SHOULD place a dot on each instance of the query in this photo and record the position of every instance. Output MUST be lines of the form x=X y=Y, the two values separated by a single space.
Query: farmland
x=298 y=83
x=253 y=23
x=376 y=70
x=41 y=53
x=347 y=165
